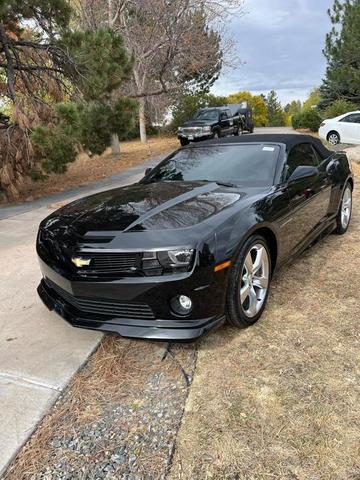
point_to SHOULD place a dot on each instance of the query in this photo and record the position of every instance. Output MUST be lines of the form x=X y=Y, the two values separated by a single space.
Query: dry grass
x=86 y=170
x=281 y=400
x=356 y=169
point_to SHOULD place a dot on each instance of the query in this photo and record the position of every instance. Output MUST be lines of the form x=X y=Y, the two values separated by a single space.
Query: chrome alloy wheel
x=254 y=280
x=346 y=207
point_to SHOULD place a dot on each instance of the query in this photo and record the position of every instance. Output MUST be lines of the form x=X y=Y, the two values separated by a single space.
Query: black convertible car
x=196 y=240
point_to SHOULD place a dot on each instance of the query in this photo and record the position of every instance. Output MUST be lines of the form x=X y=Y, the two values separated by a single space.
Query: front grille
x=192 y=130
x=110 y=263
x=104 y=307
x=103 y=264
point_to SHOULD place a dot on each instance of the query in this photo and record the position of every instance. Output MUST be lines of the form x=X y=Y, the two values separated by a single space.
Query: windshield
x=248 y=164
x=207 y=115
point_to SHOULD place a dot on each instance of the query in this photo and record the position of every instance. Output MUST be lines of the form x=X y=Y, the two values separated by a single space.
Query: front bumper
x=195 y=137
x=163 y=326
x=176 y=330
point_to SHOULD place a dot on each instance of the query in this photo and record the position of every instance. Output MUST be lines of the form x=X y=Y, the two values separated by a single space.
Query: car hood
x=153 y=206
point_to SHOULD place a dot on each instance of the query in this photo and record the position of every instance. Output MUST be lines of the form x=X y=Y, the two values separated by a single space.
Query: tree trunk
x=110 y=13
x=115 y=144
x=142 y=120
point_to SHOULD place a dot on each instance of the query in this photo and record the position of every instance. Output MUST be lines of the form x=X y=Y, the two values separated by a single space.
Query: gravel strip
x=129 y=432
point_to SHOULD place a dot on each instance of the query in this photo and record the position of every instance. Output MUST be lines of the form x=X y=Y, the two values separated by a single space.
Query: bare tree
x=172 y=43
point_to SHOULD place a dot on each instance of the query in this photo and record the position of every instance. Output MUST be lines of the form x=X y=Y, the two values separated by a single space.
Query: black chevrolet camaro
x=196 y=240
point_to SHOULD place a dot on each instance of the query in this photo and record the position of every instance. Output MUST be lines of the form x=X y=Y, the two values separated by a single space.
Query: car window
x=318 y=157
x=207 y=115
x=247 y=164
x=223 y=115
x=352 y=118
x=301 y=155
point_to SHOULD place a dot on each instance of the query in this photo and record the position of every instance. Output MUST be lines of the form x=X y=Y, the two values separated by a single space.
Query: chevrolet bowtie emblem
x=81 y=262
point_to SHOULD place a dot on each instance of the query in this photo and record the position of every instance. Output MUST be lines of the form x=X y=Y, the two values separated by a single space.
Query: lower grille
x=105 y=307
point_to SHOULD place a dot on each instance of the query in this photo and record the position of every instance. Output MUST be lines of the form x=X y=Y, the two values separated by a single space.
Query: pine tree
x=342 y=51
x=275 y=112
x=100 y=65
x=61 y=87
x=293 y=108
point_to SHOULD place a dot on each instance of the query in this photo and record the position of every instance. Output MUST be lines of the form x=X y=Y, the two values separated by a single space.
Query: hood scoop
x=180 y=199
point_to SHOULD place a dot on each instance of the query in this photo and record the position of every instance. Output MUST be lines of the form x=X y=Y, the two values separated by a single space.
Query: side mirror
x=147 y=171
x=302 y=172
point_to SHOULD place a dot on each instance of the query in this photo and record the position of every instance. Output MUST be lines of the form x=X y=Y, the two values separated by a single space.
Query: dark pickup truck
x=215 y=122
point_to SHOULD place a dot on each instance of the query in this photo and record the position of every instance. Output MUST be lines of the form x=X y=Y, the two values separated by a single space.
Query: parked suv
x=215 y=122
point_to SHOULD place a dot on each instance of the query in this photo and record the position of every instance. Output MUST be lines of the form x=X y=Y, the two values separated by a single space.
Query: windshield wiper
x=226 y=184
x=220 y=183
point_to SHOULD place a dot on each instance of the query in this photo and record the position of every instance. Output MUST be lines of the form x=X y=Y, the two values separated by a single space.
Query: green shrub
x=339 y=107
x=311 y=119
x=57 y=145
x=54 y=148
x=296 y=121
x=95 y=132
x=77 y=126
x=36 y=175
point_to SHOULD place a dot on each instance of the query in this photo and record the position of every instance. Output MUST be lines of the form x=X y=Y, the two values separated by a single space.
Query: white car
x=344 y=128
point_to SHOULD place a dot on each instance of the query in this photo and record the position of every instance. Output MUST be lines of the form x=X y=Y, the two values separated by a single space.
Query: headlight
x=206 y=129
x=176 y=258
x=179 y=129
x=156 y=263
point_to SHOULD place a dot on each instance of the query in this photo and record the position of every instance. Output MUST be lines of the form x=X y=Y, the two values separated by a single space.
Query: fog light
x=181 y=305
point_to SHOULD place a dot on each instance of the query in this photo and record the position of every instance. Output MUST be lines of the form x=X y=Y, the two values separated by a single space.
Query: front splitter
x=162 y=330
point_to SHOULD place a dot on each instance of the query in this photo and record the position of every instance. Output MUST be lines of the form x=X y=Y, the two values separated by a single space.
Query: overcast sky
x=280 y=43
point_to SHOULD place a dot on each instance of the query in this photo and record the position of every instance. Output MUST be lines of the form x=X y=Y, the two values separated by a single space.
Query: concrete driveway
x=39 y=352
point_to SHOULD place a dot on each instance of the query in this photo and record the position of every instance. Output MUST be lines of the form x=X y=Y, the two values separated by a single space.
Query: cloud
x=264 y=16
x=280 y=43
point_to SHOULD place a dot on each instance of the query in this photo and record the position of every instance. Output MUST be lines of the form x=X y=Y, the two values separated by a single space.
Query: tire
x=216 y=134
x=237 y=132
x=345 y=209
x=184 y=141
x=333 y=138
x=245 y=310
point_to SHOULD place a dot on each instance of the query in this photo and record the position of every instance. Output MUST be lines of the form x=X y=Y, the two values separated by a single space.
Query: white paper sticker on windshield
x=268 y=149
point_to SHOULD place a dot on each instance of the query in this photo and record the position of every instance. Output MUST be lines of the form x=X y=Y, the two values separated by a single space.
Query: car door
x=350 y=128
x=309 y=197
x=224 y=123
x=231 y=122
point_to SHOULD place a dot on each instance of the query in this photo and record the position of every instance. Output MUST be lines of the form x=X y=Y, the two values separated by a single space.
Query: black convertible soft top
x=289 y=139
